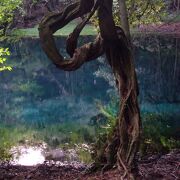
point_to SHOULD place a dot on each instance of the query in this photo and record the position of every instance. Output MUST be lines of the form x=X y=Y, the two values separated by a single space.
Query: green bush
x=159 y=131
x=7 y=9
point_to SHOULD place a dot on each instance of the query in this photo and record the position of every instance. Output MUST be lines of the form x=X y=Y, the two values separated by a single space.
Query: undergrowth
x=160 y=131
x=55 y=135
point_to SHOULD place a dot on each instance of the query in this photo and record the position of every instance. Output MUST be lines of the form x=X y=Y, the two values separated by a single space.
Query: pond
x=36 y=93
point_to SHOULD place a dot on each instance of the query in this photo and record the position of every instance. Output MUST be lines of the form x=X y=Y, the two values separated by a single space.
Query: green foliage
x=81 y=135
x=104 y=129
x=66 y=136
x=7 y=8
x=53 y=134
x=146 y=12
x=139 y=12
x=159 y=131
x=4 y=52
x=84 y=156
x=108 y=113
x=5 y=155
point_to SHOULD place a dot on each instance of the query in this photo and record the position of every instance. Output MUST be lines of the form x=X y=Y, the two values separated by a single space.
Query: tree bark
x=122 y=146
x=124 y=17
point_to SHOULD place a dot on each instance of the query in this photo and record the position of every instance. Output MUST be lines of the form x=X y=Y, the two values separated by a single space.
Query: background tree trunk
x=124 y=17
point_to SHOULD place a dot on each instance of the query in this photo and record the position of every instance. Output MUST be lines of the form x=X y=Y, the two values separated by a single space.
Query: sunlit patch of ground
x=27 y=156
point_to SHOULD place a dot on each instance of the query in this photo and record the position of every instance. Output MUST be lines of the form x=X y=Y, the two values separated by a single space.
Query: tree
x=7 y=8
x=137 y=12
x=141 y=12
x=124 y=142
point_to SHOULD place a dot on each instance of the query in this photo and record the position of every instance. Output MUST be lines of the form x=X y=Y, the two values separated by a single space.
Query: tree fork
x=112 y=41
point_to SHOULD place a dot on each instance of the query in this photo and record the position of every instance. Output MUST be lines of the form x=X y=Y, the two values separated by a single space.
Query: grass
x=55 y=135
x=33 y=32
x=159 y=135
x=52 y=134
x=88 y=30
x=85 y=156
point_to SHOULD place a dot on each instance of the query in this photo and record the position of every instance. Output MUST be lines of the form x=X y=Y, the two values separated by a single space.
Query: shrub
x=159 y=131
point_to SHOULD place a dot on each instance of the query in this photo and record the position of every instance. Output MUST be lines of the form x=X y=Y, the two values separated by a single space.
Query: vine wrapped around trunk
x=124 y=143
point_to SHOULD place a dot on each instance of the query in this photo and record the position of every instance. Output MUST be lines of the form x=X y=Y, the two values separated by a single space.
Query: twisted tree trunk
x=112 y=41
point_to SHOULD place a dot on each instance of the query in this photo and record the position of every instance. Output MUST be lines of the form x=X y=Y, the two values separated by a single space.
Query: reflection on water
x=40 y=102
x=37 y=91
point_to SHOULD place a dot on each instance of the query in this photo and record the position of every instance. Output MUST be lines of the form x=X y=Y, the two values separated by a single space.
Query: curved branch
x=58 y=20
x=71 y=42
x=55 y=21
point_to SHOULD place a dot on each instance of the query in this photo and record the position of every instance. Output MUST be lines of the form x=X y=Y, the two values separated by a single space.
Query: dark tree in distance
x=123 y=145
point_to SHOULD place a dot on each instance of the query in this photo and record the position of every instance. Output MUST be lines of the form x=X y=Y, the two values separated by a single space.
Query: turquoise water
x=37 y=91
